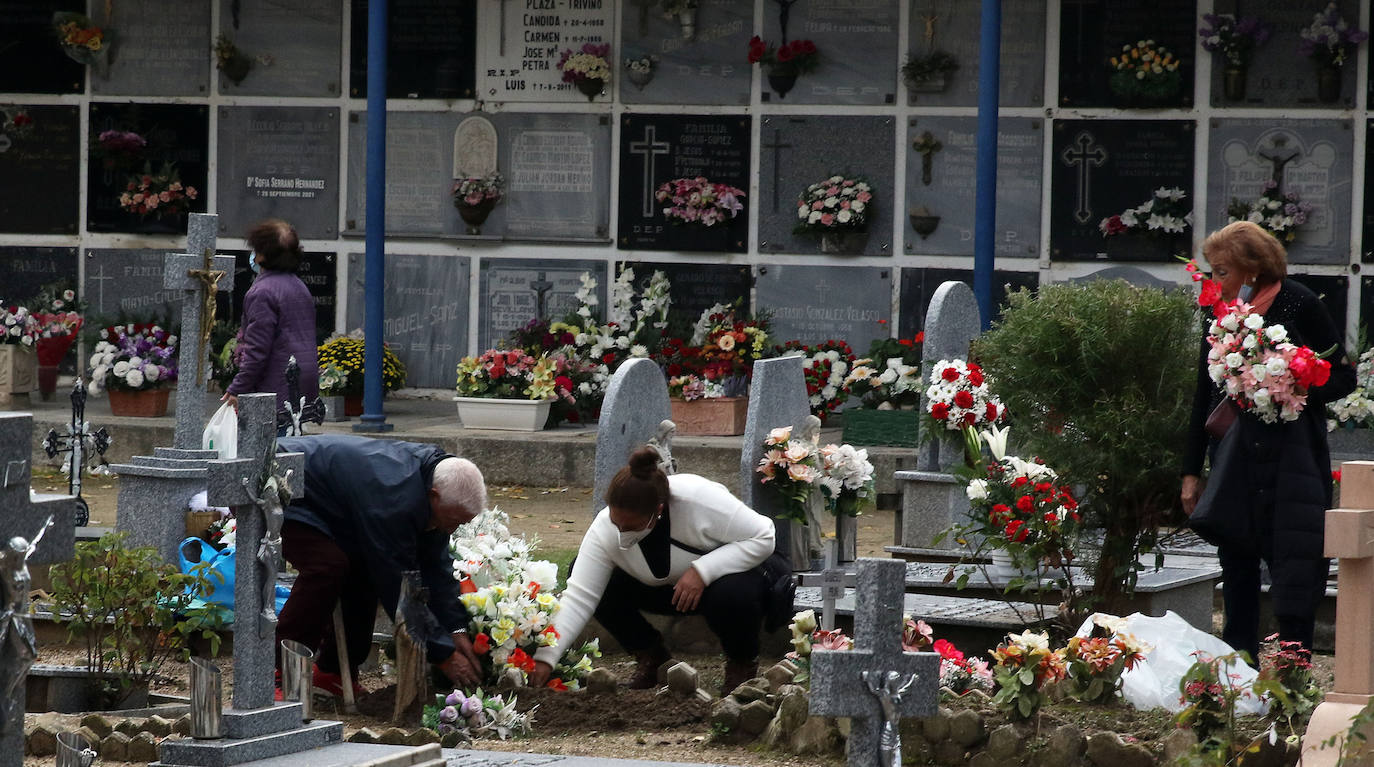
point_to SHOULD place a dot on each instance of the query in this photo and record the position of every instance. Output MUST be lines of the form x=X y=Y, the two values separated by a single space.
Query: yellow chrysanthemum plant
x=1147 y=71
x=341 y=366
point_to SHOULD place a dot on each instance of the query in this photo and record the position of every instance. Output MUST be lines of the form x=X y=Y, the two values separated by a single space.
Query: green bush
x=1098 y=381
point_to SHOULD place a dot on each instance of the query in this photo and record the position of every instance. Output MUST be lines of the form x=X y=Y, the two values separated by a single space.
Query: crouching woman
x=662 y=545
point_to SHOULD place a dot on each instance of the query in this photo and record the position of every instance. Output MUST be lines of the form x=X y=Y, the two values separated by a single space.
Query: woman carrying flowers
x=1270 y=479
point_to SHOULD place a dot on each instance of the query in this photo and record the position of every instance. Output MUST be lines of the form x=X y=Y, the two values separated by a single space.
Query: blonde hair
x=1248 y=247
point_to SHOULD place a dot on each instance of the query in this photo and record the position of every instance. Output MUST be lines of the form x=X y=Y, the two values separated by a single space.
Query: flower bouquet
x=466 y=717
x=784 y=63
x=889 y=378
x=118 y=149
x=929 y=72
x=341 y=366
x=709 y=377
x=475 y=197
x=82 y=40
x=1095 y=665
x=1258 y=368
x=958 y=397
x=1357 y=407
x=1164 y=213
x=513 y=374
x=587 y=68
x=58 y=324
x=1278 y=214
x=16 y=122
x=824 y=367
x=791 y=467
x=20 y=326
x=836 y=210
x=699 y=201
x=1329 y=41
x=846 y=479
x=1234 y=38
x=160 y=194
x=132 y=358
x=230 y=60
x=1024 y=667
x=1145 y=72
x=640 y=71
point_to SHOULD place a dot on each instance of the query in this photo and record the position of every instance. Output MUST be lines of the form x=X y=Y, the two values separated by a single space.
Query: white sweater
x=702 y=514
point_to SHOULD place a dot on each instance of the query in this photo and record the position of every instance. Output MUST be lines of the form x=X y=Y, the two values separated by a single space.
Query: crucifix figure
x=649 y=148
x=74 y=442
x=541 y=287
x=296 y=411
x=18 y=646
x=784 y=10
x=1086 y=154
x=209 y=277
x=927 y=145
x=1279 y=155
x=777 y=146
x=888 y=688
x=275 y=495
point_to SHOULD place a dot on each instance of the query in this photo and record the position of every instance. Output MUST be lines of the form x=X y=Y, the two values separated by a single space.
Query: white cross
x=1084 y=154
x=649 y=148
x=100 y=280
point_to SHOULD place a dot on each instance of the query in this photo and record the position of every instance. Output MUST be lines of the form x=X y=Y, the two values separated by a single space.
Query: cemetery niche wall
x=431 y=49
x=40 y=154
x=691 y=57
x=942 y=61
x=857 y=40
x=156 y=148
x=1093 y=32
x=294 y=47
x=519 y=46
x=426 y=321
x=159 y=48
x=29 y=61
x=279 y=162
x=813 y=304
x=514 y=291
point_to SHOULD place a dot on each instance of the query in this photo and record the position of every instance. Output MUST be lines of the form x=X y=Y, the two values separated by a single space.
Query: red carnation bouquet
x=958 y=397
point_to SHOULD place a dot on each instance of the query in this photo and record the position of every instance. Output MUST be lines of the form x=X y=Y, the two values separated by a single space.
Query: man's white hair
x=458 y=480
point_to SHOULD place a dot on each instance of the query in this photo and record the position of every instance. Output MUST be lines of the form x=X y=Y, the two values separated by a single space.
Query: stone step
x=224 y=752
x=465 y=758
x=358 y=755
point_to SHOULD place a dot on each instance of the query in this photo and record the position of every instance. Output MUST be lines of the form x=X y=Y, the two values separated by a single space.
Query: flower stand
x=844 y=242
x=505 y=414
x=895 y=428
x=782 y=82
x=18 y=372
x=1233 y=83
x=1328 y=84
x=147 y=403
x=591 y=87
x=710 y=417
x=475 y=215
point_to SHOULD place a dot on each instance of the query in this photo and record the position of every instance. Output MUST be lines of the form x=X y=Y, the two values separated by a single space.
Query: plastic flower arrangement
x=846 y=479
x=699 y=201
x=958 y=674
x=512 y=600
x=1024 y=666
x=1235 y=39
x=920 y=68
x=889 y=378
x=475 y=715
x=343 y=355
x=587 y=68
x=118 y=149
x=58 y=322
x=1095 y=665
x=633 y=329
x=837 y=203
x=160 y=194
x=480 y=189
x=18 y=326
x=512 y=374
x=959 y=398
x=80 y=38
x=824 y=367
x=1355 y=408
x=690 y=387
x=791 y=467
x=133 y=357
x=640 y=71
x=1278 y=214
x=722 y=349
x=1164 y=213
x=794 y=58
x=1145 y=69
x=1329 y=41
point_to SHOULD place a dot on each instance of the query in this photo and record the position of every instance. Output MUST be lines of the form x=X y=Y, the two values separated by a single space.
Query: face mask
x=254 y=265
x=1245 y=292
x=628 y=539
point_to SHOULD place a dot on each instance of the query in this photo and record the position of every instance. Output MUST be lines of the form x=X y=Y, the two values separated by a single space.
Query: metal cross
x=650 y=148
x=784 y=10
x=776 y=146
x=1279 y=156
x=209 y=278
x=1084 y=153
x=296 y=411
x=74 y=443
x=927 y=145
x=541 y=288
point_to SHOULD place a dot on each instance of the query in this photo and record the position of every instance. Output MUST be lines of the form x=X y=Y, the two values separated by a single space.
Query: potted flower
x=159 y=194
x=699 y=201
x=888 y=384
x=929 y=72
x=82 y=40
x=1329 y=42
x=1165 y=214
x=341 y=370
x=587 y=68
x=1236 y=40
x=784 y=63
x=836 y=210
x=685 y=13
x=1145 y=73
x=824 y=367
x=475 y=197
x=58 y=323
x=708 y=375
x=1278 y=214
x=230 y=60
x=137 y=364
x=507 y=389
x=19 y=331
x=641 y=70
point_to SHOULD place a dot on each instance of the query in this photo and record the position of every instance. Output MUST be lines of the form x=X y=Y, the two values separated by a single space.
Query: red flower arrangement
x=160 y=194
x=796 y=57
x=824 y=366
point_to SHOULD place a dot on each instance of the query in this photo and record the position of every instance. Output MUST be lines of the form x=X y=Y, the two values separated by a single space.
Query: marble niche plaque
x=162 y=48
x=658 y=149
x=419 y=156
x=953 y=26
x=301 y=41
x=431 y=49
x=173 y=133
x=426 y=318
x=696 y=56
x=1103 y=167
x=1309 y=158
x=40 y=153
x=514 y=291
x=1277 y=75
x=695 y=287
x=857 y=40
x=919 y=286
x=519 y=45
x=817 y=303
x=317 y=270
x=941 y=169
x=24 y=270
x=279 y=162
x=796 y=152
x=126 y=284
x=1092 y=31
x=30 y=61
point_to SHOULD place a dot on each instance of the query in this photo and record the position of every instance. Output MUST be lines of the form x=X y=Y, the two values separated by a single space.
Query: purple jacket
x=278 y=322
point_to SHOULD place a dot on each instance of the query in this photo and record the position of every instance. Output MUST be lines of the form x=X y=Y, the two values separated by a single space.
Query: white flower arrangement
x=958 y=396
x=1356 y=407
x=846 y=479
x=19 y=326
x=836 y=203
x=1164 y=213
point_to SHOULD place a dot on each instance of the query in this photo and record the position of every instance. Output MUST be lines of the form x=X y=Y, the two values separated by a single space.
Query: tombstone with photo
x=317 y=271
x=24 y=270
x=658 y=151
x=426 y=320
x=29 y=58
x=1312 y=159
x=1103 y=167
x=296 y=47
x=1093 y=31
x=1276 y=74
x=953 y=27
x=162 y=48
x=40 y=153
x=279 y=162
x=127 y=284
x=693 y=287
x=857 y=41
x=431 y=49
x=693 y=56
x=514 y=291
x=520 y=46
x=919 y=286
x=812 y=304
x=941 y=155
x=130 y=139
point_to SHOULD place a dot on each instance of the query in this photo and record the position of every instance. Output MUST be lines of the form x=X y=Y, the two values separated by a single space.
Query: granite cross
x=1085 y=154
x=189 y=273
x=74 y=442
x=21 y=513
x=877 y=683
x=650 y=148
x=832 y=584
x=256 y=487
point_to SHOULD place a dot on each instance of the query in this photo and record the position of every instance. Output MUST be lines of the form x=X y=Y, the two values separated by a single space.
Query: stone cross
x=20 y=513
x=1085 y=154
x=952 y=322
x=1350 y=538
x=832 y=585
x=190 y=274
x=75 y=442
x=777 y=398
x=876 y=684
x=927 y=145
x=636 y=403
x=650 y=148
x=256 y=492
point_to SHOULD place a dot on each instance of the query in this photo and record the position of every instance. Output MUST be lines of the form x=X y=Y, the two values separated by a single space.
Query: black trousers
x=327 y=574
x=733 y=606
x=1296 y=588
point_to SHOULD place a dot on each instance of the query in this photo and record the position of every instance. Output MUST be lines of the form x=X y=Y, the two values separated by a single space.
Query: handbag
x=1219 y=518
x=780 y=586
x=1222 y=417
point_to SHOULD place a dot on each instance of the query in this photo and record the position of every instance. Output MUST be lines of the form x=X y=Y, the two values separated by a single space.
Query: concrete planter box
x=712 y=417
x=18 y=372
x=74 y=689
x=506 y=414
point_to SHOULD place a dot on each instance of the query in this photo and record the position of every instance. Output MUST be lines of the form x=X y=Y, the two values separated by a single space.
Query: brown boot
x=737 y=673
x=646 y=668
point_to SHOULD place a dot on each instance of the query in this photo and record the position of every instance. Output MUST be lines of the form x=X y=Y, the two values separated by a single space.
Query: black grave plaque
x=955 y=27
x=126 y=284
x=796 y=152
x=431 y=49
x=25 y=270
x=301 y=40
x=706 y=68
x=857 y=41
x=317 y=271
x=695 y=287
x=426 y=319
x=40 y=164
x=1310 y=158
x=30 y=59
x=162 y=48
x=941 y=170
x=1333 y=291
x=1368 y=240
x=514 y=291
x=812 y=304
x=1103 y=167
x=919 y=285
x=175 y=133
x=280 y=162
x=1278 y=76
x=1092 y=31
x=661 y=149
x=520 y=45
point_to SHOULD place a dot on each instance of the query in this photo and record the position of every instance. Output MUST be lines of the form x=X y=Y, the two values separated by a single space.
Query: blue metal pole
x=985 y=208
x=373 y=418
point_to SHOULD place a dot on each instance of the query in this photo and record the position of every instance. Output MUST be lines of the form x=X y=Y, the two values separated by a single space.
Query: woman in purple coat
x=278 y=319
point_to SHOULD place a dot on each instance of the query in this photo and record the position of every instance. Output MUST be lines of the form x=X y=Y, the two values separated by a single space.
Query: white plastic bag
x=1153 y=683
x=222 y=433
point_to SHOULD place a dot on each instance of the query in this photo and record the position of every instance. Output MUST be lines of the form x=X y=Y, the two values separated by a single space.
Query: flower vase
x=18 y=372
x=1003 y=566
x=1233 y=83
x=47 y=382
x=640 y=78
x=688 y=21
x=475 y=215
x=1328 y=84
x=591 y=87
x=236 y=68
x=144 y=403
x=844 y=242
x=353 y=405
x=782 y=79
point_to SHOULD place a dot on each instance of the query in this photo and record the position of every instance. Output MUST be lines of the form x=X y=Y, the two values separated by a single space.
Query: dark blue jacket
x=372 y=497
